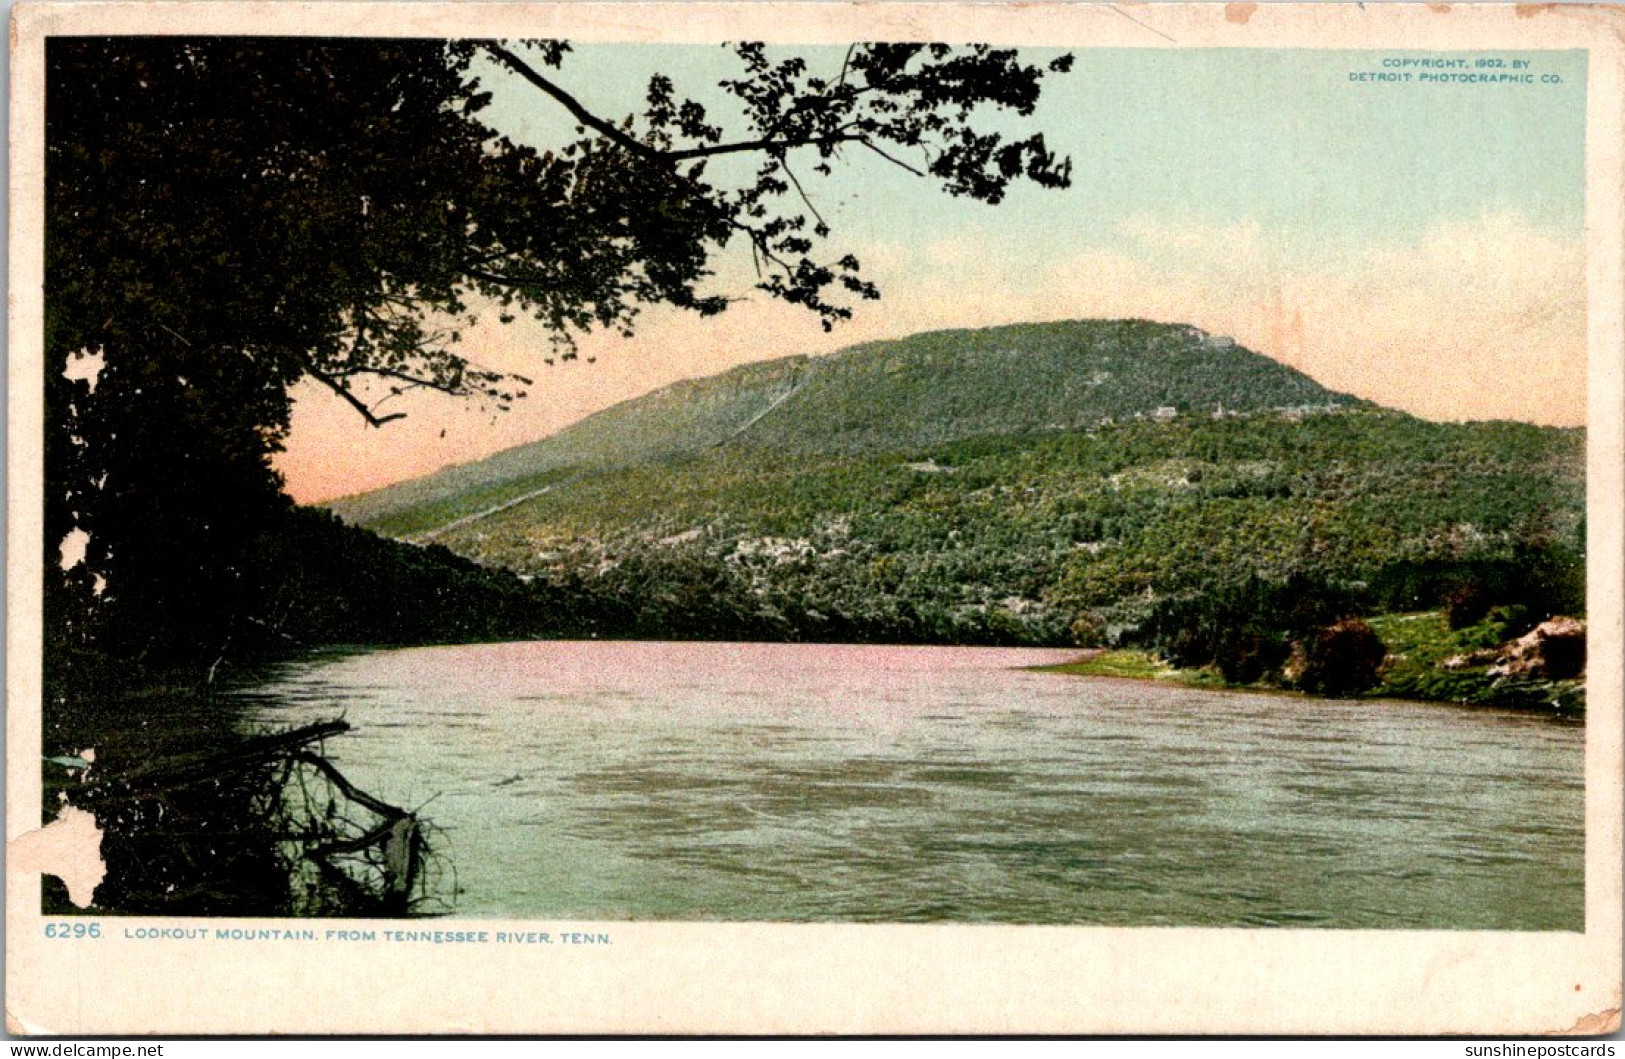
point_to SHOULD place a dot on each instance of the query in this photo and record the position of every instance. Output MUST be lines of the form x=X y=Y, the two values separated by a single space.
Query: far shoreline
x=1143 y=666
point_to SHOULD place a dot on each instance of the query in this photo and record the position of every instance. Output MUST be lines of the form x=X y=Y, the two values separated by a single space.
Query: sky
x=1418 y=244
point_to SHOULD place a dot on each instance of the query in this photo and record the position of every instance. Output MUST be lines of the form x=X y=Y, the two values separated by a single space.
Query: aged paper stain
x=1595 y=1025
x=1531 y=10
x=1239 y=13
x=69 y=847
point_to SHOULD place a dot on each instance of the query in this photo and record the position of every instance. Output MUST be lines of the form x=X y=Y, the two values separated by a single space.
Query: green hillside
x=1088 y=483
x=924 y=390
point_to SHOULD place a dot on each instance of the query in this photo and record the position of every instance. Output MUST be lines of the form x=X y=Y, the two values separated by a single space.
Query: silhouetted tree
x=229 y=216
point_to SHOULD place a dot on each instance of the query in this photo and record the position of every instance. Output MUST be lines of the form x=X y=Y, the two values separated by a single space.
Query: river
x=791 y=782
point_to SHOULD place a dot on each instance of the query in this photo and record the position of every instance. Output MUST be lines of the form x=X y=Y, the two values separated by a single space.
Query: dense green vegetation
x=1426 y=656
x=1087 y=536
x=929 y=389
x=1424 y=661
x=1216 y=508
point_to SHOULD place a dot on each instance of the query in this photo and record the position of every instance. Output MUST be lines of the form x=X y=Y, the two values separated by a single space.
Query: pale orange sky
x=1417 y=246
x=1473 y=320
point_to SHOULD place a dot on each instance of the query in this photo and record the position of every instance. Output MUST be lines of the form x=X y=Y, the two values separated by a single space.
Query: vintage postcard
x=815 y=518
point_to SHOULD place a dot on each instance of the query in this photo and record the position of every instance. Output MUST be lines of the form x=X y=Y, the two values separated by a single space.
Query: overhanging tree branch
x=337 y=386
x=569 y=102
x=784 y=164
x=894 y=161
x=763 y=144
x=638 y=147
x=759 y=245
x=624 y=216
x=450 y=389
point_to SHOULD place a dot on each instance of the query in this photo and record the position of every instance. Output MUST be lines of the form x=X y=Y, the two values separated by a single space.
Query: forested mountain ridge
x=1117 y=483
x=893 y=395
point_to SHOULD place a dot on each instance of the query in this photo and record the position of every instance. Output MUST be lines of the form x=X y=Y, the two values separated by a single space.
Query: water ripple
x=796 y=782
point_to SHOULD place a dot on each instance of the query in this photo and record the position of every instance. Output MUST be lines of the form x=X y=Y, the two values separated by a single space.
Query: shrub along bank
x=1499 y=661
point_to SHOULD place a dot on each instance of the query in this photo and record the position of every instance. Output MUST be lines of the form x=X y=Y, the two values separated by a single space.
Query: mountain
x=924 y=390
x=1094 y=481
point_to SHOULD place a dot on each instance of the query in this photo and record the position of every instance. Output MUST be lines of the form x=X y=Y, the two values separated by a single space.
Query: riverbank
x=204 y=811
x=1426 y=661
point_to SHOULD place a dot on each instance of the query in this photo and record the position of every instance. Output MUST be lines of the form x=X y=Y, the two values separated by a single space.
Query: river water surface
x=599 y=780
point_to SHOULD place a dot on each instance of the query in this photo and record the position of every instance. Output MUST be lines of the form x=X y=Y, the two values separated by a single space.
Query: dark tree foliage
x=229 y=216
x=1467 y=603
x=1340 y=660
x=1563 y=653
x=1242 y=626
x=1544 y=577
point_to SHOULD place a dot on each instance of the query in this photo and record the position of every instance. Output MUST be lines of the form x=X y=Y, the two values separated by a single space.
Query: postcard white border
x=759 y=978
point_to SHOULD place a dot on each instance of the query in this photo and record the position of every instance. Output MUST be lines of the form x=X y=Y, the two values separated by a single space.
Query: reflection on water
x=809 y=782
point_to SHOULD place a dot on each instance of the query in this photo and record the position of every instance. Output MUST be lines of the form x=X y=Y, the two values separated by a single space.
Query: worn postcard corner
x=816 y=519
